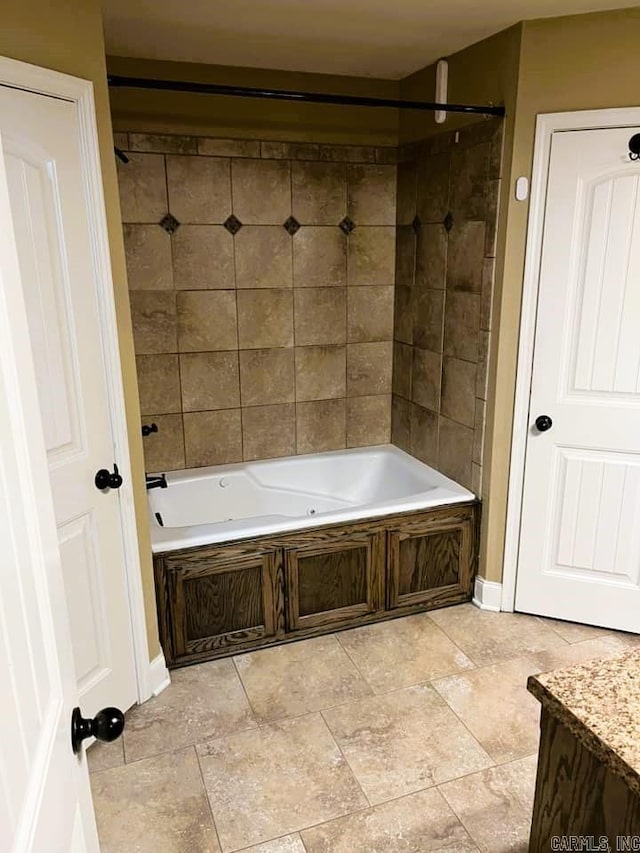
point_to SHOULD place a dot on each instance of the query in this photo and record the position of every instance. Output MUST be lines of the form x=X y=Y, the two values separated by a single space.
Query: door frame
x=546 y=125
x=150 y=675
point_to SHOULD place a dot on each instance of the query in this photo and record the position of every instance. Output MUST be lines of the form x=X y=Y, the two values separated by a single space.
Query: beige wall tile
x=210 y=380
x=203 y=258
x=469 y=173
x=370 y=314
x=320 y=372
x=143 y=188
x=461 y=325
x=387 y=155
x=207 y=320
x=153 y=315
x=284 y=844
x=402 y=369
x=158 y=384
x=371 y=194
x=265 y=318
x=164 y=450
x=369 y=368
x=121 y=140
x=320 y=315
x=319 y=193
x=272 y=149
x=371 y=255
x=348 y=153
x=482 y=374
x=212 y=438
x=320 y=426
x=162 y=143
x=407 y=189
x=199 y=189
x=478 y=432
x=405 y=256
x=263 y=257
x=403 y=314
x=229 y=147
x=319 y=257
x=465 y=256
x=368 y=420
x=268 y=431
x=428 y=322
x=433 y=187
x=401 y=423
x=431 y=256
x=458 y=391
x=424 y=435
x=426 y=378
x=261 y=191
x=267 y=376
x=148 y=253
x=455 y=451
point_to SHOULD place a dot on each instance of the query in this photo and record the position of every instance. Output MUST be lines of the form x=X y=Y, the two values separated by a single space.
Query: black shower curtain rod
x=117 y=81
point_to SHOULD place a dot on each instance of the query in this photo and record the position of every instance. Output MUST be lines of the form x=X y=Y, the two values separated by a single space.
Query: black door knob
x=543 y=423
x=108 y=479
x=107 y=725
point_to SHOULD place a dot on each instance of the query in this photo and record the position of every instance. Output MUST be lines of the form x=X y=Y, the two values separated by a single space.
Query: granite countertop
x=599 y=702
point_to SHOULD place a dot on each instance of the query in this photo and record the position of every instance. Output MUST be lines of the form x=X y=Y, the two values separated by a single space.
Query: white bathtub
x=226 y=502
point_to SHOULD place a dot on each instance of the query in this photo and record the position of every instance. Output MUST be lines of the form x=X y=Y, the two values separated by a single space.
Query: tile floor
x=409 y=736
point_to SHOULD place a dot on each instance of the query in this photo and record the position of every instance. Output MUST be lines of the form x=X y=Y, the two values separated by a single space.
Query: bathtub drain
x=311 y=511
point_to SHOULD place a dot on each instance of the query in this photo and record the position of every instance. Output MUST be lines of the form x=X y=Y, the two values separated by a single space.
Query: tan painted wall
x=68 y=37
x=574 y=63
x=214 y=115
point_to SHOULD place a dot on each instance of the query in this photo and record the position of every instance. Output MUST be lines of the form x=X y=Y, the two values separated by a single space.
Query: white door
x=48 y=199
x=45 y=802
x=579 y=556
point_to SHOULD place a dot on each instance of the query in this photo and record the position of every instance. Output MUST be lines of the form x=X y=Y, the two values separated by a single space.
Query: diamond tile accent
x=346 y=225
x=291 y=225
x=448 y=222
x=169 y=223
x=416 y=224
x=232 y=224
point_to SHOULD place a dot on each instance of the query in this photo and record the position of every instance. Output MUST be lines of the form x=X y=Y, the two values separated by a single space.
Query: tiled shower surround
x=262 y=286
x=448 y=190
x=278 y=296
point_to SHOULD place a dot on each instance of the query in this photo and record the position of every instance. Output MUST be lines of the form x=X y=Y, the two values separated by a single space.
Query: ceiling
x=366 y=38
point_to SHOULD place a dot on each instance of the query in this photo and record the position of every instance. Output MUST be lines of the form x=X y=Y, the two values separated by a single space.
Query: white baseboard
x=158 y=675
x=487 y=595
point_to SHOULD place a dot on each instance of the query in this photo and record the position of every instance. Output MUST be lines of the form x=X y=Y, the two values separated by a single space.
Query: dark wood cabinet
x=430 y=560
x=217 y=600
x=333 y=577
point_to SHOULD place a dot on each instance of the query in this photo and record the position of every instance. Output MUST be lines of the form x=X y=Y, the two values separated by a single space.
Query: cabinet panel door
x=334 y=578
x=430 y=561
x=222 y=599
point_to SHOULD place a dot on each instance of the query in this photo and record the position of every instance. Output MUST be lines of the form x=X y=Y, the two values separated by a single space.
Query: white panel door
x=45 y=801
x=49 y=207
x=579 y=556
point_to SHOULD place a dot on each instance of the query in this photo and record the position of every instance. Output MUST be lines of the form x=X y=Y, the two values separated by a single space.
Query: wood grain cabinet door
x=430 y=560
x=222 y=598
x=334 y=577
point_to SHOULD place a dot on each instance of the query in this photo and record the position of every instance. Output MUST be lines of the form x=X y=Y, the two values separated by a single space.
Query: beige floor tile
x=276 y=780
x=495 y=805
x=605 y=646
x=104 y=756
x=574 y=632
x=294 y=679
x=287 y=844
x=488 y=637
x=495 y=705
x=404 y=741
x=202 y=702
x=158 y=804
x=419 y=823
x=402 y=652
